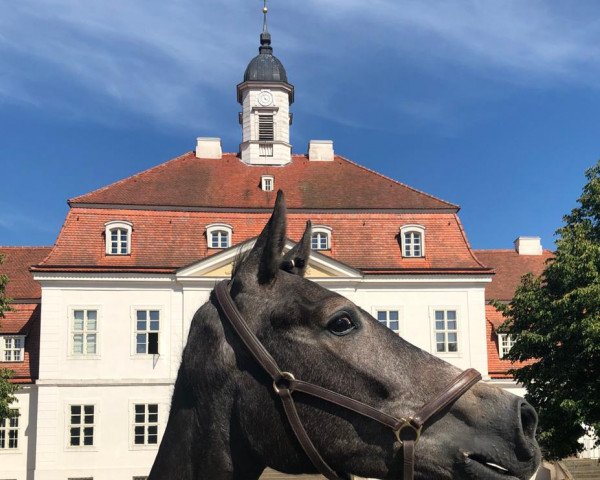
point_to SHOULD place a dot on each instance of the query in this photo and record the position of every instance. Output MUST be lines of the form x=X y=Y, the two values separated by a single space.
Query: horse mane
x=240 y=258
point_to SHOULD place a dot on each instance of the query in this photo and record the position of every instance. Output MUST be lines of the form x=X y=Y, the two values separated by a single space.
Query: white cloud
x=168 y=61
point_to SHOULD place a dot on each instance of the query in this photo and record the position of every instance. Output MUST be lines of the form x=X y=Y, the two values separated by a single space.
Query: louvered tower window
x=266 y=128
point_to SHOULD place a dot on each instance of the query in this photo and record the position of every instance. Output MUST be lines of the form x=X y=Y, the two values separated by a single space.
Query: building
x=135 y=259
x=509 y=266
x=19 y=352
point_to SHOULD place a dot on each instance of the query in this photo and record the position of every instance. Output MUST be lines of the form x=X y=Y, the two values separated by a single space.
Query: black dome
x=265 y=67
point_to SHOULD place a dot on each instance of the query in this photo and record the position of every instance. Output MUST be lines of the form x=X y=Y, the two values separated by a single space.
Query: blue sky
x=491 y=105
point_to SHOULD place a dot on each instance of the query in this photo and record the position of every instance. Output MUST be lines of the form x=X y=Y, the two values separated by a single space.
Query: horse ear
x=265 y=257
x=296 y=260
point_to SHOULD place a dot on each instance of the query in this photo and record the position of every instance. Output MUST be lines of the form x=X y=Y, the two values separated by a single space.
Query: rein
x=406 y=429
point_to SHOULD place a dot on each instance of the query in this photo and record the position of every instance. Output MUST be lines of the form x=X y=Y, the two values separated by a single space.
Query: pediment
x=221 y=264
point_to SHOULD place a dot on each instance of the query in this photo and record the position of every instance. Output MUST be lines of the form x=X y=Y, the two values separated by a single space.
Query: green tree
x=7 y=389
x=556 y=321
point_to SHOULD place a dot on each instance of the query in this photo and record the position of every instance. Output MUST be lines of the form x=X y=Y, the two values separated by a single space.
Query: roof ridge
x=397 y=182
x=135 y=175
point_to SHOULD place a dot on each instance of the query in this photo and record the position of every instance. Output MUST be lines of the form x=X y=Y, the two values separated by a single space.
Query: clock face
x=265 y=98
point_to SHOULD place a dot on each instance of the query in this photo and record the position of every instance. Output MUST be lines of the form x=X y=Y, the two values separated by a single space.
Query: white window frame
x=72 y=332
x=387 y=323
x=505 y=343
x=322 y=231
x=216 y=228
x=134 y=343
x=6 y=427
x=118 y=225
x=146 y=424
x=81 y=426
x=4 y=348
x=446 y=331
x=414 y=229
x=267 y=183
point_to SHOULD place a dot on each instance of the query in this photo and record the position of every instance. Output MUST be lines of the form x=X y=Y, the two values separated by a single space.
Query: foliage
x=7 y=389
x=556 y=321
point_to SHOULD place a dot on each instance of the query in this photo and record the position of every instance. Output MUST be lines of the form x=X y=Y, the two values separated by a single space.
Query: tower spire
x=265 y=11
x=265 y=36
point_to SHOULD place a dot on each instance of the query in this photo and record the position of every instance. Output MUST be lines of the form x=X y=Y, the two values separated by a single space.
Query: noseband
x=407 y=429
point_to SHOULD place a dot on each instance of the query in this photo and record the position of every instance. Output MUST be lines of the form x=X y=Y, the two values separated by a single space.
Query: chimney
x=320 y=150
x=209 y=148
x=528 y=246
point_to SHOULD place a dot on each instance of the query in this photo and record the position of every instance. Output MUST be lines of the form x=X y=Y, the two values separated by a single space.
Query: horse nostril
x=525 y=442
x=529 y=420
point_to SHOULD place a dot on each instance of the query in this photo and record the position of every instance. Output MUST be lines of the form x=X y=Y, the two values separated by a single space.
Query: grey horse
x=227 y=423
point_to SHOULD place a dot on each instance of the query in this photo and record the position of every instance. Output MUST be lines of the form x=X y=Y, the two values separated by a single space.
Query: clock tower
x=265 y=96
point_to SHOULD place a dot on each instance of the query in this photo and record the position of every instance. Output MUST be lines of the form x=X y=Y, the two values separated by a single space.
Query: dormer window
x=412 y=239
x=267 y=183
x=118 y=238
x=219 y=235
x=321 y=238
x=12 y=348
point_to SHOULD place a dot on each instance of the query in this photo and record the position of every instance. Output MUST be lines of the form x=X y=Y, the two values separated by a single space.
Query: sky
x=491 y=105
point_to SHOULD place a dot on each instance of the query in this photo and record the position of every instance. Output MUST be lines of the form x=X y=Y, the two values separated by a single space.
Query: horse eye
x=341 y=325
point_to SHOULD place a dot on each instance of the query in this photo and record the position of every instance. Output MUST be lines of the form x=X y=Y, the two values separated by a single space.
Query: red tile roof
x=17 y=260
x=227 y=183
x=509 y=267
x=497 y=368
x=168 y=240
x=24 y=319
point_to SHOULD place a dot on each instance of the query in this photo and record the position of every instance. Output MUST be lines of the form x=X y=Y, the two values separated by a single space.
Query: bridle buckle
x=408 y=425
x=285 y=377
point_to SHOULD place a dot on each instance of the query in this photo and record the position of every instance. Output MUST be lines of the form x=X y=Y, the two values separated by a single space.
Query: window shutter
x=266 y=128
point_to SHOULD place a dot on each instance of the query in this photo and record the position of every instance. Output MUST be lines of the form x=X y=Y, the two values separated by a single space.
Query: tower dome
x=265 y=67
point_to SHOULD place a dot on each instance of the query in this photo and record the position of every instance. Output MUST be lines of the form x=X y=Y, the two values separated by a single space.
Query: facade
x=134 y=261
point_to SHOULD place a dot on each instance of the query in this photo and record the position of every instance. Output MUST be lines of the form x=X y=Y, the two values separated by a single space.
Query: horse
x=227 y=421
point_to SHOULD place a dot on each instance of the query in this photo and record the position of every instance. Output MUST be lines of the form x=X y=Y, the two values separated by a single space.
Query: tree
x=556 y=322
x=7 y=389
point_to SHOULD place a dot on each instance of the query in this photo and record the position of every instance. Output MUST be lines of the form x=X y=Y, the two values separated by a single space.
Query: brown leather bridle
x=407 y=429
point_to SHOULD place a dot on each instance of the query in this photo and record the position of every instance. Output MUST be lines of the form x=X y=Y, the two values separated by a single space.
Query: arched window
x=219 y=235
x=321 y=238
x=412 y=239
x=118 y=237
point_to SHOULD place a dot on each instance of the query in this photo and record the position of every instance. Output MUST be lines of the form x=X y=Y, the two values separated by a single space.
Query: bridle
x=407 y=429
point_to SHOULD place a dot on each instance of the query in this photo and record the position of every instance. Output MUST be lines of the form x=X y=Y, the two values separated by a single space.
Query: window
x=118 y=238
x=146 y=332
x=412 y=238
x=84 y=332
x=219 y=239
x=9 y=431
x=321 y=238
x=12 y=348
x=219 y=235
x=389 y=318
x=81 y=425
x=505 y=343
x=267 y=183
x=145 y=424
x=446 y=331
x=266 y=128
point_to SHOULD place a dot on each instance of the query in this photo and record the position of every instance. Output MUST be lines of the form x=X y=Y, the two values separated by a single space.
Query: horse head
x=227 y=421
